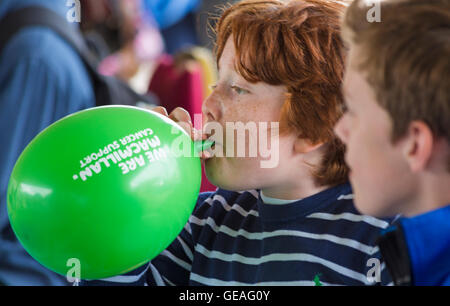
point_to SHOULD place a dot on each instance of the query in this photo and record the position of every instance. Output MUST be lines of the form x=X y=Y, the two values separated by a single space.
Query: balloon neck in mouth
x=203 y=145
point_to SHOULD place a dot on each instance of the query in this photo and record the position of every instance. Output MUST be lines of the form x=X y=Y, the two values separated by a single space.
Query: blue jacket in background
x=41 y=80
x=169 y=12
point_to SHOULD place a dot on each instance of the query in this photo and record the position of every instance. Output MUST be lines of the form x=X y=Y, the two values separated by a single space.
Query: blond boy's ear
x=304 y=146
x=418 y=145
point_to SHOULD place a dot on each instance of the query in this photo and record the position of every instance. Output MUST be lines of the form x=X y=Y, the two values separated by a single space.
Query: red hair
x=296 y=44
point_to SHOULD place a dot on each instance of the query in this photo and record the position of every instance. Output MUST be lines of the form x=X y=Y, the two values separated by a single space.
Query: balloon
x=108 y=188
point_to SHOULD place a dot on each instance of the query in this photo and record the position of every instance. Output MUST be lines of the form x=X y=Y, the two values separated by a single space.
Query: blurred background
x=132 y=38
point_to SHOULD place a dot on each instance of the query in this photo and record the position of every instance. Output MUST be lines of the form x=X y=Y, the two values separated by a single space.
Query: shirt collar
x=303 y=207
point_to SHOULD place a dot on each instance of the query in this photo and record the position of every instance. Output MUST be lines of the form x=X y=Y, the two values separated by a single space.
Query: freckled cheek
x=234 y=112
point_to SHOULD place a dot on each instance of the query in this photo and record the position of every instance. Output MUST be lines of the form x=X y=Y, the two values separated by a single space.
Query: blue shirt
x=41 y=80
x=427 y=238
x=234 y=238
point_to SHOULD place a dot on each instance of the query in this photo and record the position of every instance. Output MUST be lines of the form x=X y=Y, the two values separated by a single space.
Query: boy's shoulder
x=227 y=199
x=338 y=205
x=334 y=199
x=339 y=192
x=227 y=194
x=334 y=203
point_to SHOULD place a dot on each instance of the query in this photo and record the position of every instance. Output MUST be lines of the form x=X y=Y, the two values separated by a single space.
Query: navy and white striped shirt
x=233 y=238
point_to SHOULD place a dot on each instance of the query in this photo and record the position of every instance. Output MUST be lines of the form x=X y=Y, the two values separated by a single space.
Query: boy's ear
x=418 y=146
x=304 y=146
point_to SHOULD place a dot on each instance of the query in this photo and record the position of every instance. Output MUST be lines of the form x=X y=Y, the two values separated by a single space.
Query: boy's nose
x=211 y=108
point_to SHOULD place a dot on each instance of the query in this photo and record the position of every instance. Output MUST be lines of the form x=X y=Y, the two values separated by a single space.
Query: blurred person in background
x=124 y=37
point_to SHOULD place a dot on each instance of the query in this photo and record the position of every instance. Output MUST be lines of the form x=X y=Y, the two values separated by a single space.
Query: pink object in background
x=176 y=88
x=110 y=66
x=147 y=44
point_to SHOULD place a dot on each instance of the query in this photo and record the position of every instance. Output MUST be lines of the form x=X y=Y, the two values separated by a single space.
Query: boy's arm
x=171 y=267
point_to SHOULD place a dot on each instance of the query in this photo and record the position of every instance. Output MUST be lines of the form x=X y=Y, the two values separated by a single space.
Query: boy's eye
x=214 y=86
x=239 y=90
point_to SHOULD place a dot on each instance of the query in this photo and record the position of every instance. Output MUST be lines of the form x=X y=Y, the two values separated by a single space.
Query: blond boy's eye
x=214 y=86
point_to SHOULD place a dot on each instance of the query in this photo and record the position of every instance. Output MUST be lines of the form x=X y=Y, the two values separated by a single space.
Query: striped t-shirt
x=233 y=238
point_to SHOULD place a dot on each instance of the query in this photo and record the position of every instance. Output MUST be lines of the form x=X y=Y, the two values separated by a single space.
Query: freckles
x=237 y=111
x=242 y=109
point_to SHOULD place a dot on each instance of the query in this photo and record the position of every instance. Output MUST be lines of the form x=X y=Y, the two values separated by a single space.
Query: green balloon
x=104 y=190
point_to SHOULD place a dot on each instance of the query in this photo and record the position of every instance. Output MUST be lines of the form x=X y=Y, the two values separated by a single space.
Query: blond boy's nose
x=340 y=130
